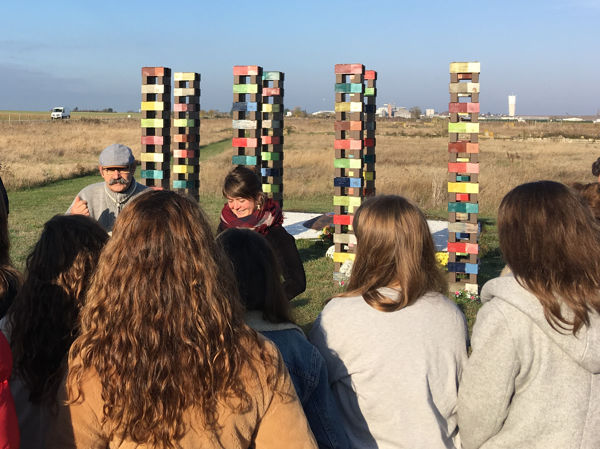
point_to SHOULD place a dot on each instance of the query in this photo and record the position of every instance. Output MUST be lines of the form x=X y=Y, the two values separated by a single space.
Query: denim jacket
x=309 y=375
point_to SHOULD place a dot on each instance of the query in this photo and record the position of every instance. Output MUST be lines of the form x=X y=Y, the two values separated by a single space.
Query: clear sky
x=89 y=53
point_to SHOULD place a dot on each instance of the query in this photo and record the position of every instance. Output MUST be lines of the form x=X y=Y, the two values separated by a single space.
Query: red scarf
x=260 y=221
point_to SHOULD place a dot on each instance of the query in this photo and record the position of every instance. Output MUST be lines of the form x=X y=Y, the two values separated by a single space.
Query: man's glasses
x=112 y=170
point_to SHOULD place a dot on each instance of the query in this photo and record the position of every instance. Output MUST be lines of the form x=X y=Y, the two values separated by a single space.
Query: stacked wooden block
x=186 y=138
x=370 y=98
x=463 y=176
x=247 y=112
x=348 y=163
x=156 y=118
x=271 y=166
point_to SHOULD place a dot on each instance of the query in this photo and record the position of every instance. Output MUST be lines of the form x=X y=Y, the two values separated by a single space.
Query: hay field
x=411 y=157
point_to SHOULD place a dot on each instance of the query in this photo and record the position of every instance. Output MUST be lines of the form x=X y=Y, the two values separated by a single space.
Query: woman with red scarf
x=248 y=207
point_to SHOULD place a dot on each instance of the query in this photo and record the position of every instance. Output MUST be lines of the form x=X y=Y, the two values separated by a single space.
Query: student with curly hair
x=533 y=378
x=393 y=343
x=163 y=358
x=41 y=323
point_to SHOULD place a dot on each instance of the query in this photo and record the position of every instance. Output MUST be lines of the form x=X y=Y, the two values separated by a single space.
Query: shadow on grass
x=312 y=250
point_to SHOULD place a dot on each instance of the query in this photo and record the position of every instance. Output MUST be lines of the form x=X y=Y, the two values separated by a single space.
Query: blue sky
x=89 y=54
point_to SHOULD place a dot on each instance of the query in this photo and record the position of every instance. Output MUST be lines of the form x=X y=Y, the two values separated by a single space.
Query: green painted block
x=184 y=123
x=270 y=188
x=269 y=156
x=271 y=76
x=369 y=158
x=463 y=127
x=245 y=88
x=369 y=91
x=465 y=208
x=152 y=123
x=347 y=163
x=152 y=174
x=463 y=178
x=244 y=160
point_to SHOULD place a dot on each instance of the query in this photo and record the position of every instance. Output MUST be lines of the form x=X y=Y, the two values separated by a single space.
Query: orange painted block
x=245 y=70
x=465 y=76
x=184 y=153
x=463 y=167
x=245 y=142
x=271 y=140
x=185 y=107
x=356 y=126
x=463 y=107
x=370 y=75
x=153 y=71
x=184 y=138
x=349 y=69
x=342 y=125
x=457 y=247
x=343 y=219
x=153 y=140
x=463 y=146
x=462 y=197
x=271 y=91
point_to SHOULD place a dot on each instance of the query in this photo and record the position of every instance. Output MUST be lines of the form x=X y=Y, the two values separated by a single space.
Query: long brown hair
x=42 y=319
x=394 y=248
x=163 y=326
x=10 y=279
x=551 y=242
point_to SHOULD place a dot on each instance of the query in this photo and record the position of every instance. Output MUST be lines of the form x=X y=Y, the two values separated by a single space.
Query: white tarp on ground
x=293 y=222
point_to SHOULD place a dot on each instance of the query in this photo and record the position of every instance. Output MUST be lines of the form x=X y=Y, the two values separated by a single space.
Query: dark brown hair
x=241 y=182
x=394 y=248
x=42 y=320
x=10 y=279
x=164 y=296
x=551 y=242
x=591 y=195
x=596 y=167
x=257 y=273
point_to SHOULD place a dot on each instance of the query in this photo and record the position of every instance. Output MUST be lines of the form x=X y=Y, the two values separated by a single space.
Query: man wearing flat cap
x=104 y=200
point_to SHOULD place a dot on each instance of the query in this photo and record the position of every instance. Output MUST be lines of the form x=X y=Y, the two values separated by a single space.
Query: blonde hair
x=394 y=248
x=551 y=242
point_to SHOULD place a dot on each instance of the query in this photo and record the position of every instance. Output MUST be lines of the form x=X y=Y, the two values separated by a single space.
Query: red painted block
x=349 y=69
x=465 y=76
x=245 y=70
x=270 y=91
x=370 y=75
x=245 y=142
x=463 y=146
x=341 y=144
x=462 y=197
x=185 y=107
x=469 y=248
x=343 y=219
x=184 y=153
x=369 y=142
x=153 y=71
x=271 y=140
x=463 y=107
x=153 y=140
x=463 y=167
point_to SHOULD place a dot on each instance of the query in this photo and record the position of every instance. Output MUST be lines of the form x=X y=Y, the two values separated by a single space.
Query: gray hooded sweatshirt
x=527 y=385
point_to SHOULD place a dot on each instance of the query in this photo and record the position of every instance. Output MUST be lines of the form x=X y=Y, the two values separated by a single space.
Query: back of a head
x=591 y=195
x=596 y=167
x=164 y=296
x=241 y=182
x=394 y=248
x=257 y=273
x=551 y=242
x=44 y=314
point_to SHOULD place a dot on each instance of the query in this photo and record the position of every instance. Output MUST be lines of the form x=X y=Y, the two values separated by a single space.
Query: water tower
x=512 y=104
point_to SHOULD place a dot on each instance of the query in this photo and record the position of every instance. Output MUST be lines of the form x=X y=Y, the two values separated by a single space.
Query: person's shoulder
x=93 y=187
x=140 y=187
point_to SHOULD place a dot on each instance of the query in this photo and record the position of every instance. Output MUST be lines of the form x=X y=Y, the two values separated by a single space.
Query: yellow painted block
x=342 y=107
x=356 y=106
x=340 y=201
x=152 y=123
x=184 y=123
x=185 y=76
x=463 y=127
x=185 y=91
x=271 y=107
x=464 y=88
x=152 y=157
x=463 y=159
x=463 y=187
x=183 y=169
x=346 y=239
x=153 y=88
x=368 y=175
x=343 y=257
x=465 y=67
x=153 y=106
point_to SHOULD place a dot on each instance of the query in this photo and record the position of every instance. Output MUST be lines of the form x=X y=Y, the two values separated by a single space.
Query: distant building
x=512 y=105
x=389 y=110
x=429 y=113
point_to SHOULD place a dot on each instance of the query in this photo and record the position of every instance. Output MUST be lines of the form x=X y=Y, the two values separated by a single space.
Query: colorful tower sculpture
x=348 y=163
x=370 y=97
x=271 y=166
x=156 y=126
x=247 y=112
x=463 y=176
x=186 y=138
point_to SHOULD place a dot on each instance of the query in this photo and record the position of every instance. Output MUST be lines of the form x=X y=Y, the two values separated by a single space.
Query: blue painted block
x=275 y=172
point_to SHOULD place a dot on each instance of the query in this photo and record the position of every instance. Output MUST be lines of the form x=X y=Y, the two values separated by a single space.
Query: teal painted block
x=462 y=178
x=152 y=174
x=244 y=160
x=183 y=184
x=465 y=208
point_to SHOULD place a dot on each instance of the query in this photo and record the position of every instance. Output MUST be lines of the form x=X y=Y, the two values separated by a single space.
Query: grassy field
x=45 y=164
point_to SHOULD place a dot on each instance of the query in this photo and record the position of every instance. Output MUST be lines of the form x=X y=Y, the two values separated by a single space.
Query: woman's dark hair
x=241 y=182
x=10 y=279
x=43 y=318
x=257 y=272
x=596 y=167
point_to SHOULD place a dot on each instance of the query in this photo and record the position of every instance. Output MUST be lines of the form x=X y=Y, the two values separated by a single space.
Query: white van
x=60 y=112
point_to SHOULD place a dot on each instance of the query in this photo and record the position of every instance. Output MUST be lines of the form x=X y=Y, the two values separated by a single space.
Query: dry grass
x=411 y=157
